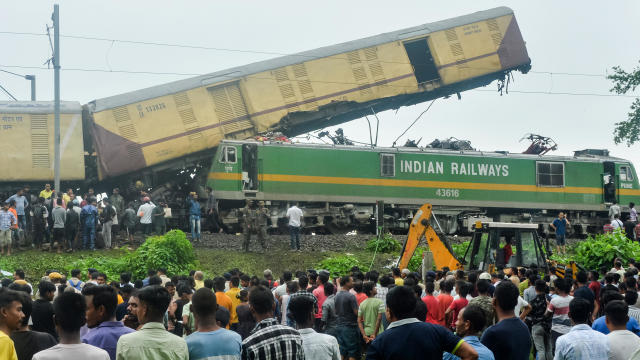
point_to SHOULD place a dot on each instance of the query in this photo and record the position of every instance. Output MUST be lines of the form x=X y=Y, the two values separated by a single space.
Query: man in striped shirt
x=559 y=307
x=269 y=340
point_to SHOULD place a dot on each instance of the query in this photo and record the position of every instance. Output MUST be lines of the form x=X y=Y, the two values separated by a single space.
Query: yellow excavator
x=486 y=250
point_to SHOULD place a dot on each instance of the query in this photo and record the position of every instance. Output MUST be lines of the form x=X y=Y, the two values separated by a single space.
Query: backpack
x=77 y=286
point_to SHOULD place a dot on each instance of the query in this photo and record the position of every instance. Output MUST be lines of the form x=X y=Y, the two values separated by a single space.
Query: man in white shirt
x=316 y=346
x=295 y=216
x=622 y=342
x=614 y=210
x=69 y=309
x=616 y=222
x=144 y=213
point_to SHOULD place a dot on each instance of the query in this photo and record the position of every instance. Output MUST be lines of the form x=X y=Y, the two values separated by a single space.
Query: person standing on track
x=144 y=213
x=295 y=216
x=559 y=225
x=194 y=215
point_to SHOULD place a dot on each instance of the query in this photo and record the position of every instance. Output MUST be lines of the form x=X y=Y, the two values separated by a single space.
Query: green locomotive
x=339 y=185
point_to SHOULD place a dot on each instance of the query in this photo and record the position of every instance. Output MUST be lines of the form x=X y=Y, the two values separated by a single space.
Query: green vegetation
x=339 y=265
x=602 y=249
x=386 y=244
x=172 y=251
x=213 y=262
x=415 y=264
x=460 y=248
x=624 y=82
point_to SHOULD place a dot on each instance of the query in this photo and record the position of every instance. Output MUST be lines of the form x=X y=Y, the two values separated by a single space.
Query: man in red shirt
x=445 y=299
x=435 y=315
x=595 y=286
x=319 y=294
x=508 y=251
x=451 y=315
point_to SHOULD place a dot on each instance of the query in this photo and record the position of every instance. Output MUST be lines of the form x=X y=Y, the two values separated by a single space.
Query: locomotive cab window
x=387 y=165
x=228 y=155
x=625 y=173
x=550 y=174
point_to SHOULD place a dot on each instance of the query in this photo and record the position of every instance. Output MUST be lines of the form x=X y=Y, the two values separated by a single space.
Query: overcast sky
x=577 y=37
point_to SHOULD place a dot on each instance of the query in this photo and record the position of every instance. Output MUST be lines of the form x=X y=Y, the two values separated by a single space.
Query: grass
x=214 y=262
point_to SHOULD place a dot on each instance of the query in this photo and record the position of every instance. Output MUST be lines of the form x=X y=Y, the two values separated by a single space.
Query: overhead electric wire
x=8 y=93
x=313 y=81
x=260 y=52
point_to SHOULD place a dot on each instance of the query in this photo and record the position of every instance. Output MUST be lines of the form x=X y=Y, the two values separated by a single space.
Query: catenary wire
x=313 y=81
x=260 y=52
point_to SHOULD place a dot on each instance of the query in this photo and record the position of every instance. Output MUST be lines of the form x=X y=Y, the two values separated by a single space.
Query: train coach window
x=387 y=165
x=228 y=155
x=625 y=173
x=550 y=173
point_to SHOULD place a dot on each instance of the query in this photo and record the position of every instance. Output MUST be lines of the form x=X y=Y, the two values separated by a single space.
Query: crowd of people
x=68 y=221
x=515 y=313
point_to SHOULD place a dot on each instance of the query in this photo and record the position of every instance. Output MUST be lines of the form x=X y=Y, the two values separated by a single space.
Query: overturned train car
x=171 y=125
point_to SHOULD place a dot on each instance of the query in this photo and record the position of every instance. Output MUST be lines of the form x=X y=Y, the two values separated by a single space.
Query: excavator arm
x=420 y=226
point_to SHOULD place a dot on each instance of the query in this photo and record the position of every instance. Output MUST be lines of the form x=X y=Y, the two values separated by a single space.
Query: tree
x=629 y=130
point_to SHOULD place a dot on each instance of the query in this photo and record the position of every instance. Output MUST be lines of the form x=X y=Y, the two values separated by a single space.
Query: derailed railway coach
x=338 y=186
x=179 y=123
x=162 y=138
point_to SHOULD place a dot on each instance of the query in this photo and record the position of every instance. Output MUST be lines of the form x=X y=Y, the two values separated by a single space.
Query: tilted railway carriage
x=340 y=184
x=26 y=142
x=297 y=93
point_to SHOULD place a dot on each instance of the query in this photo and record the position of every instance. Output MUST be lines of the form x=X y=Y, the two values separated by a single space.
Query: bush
x=601 y=250
x=171 y=251
x=415 y=264
x=460 y=248
x=386 y=244
x=339 y=265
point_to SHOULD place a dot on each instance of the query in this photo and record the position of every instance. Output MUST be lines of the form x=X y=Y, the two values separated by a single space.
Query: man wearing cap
x=144 y=213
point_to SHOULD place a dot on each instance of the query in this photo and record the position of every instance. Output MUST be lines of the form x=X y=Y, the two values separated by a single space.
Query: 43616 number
x=450 y=193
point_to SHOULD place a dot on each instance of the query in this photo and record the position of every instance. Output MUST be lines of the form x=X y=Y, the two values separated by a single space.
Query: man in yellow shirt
x=232 y=293
x=397 y=276
x=46 y=193
x=11 y=316
x=198 y=277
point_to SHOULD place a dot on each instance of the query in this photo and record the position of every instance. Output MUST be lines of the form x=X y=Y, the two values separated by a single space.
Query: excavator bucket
x=420 y=226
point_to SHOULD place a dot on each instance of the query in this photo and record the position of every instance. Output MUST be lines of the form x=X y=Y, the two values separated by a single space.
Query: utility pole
x=32 y=78
x=56 y=77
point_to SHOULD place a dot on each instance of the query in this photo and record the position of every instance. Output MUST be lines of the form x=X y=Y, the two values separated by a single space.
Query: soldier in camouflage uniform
x=248 y=219
x=263 y=215
x=254 y=222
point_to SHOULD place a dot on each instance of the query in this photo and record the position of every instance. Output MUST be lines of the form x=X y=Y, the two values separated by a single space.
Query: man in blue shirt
x=600 y=324
x=408 y=338
x=89 y=220
x=21 y=204
x=560 y=226
x=471 y=321
x=101 y=318
x=194 y=215
x=581 y=342
x=210 y=341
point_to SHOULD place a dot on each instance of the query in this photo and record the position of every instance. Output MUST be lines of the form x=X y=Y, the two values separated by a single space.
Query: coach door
x=609 y=182
x=250 y=168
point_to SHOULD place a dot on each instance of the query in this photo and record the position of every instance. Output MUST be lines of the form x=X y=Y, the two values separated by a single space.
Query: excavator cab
x=488 y=248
